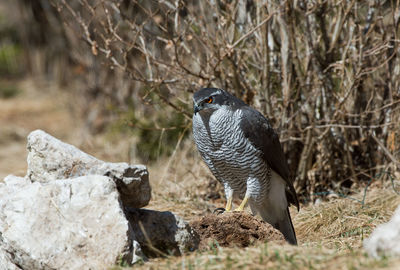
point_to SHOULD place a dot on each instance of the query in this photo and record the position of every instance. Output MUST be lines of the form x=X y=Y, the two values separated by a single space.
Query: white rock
x=51 y=159
x=66 y=224
x=385 y=239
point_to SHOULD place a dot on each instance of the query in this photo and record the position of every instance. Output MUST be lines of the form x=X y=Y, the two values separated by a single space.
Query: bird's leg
x=250 y=184
x=228 y=206
x=243 y=204
x=229 y=197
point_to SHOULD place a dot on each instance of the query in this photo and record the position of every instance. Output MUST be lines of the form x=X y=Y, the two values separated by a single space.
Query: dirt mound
x=233 y=229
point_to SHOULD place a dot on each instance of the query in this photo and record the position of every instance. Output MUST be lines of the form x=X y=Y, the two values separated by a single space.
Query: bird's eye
x=209 y=100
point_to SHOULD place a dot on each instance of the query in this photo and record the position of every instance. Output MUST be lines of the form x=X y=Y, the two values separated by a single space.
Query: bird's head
x=208 y=100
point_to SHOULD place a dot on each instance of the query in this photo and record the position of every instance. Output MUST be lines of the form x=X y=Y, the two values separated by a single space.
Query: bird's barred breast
x=229 y=154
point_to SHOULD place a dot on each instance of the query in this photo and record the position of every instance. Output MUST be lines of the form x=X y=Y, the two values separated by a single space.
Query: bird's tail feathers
x=286 y=227
x=280 y=219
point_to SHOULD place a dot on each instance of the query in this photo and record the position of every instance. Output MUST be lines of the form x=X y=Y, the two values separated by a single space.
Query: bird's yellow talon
x=242 y=205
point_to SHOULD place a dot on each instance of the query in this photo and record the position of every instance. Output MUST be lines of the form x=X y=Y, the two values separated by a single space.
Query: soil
x=233 y=229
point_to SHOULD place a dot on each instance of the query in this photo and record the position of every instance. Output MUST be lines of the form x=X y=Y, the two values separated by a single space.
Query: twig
x=386 y=151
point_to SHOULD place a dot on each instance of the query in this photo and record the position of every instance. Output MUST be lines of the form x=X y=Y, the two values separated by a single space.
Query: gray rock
x=385 y=239
x=51 y=159
x=66 y=224
x=161 y=233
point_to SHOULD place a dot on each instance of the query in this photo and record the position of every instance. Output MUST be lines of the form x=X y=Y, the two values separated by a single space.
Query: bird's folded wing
x=262 y=136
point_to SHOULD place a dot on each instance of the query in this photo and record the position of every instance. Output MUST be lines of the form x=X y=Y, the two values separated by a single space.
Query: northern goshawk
x=243 y=152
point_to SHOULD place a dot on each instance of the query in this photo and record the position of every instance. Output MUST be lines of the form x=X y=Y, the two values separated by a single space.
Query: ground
x=330 y=233
x=233 y=229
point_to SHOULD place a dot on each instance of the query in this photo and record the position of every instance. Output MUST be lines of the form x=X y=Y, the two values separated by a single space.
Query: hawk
x=244 y=154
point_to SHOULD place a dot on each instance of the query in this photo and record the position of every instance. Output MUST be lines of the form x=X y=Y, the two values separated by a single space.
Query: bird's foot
x=242 y=205
x=228 y=207
x=219 y=211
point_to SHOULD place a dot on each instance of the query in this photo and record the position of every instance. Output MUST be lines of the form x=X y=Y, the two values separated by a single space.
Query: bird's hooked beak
x=196 y=108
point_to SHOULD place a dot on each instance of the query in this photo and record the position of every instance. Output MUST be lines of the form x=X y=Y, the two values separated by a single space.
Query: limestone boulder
x=75 y=223
x=51 y=159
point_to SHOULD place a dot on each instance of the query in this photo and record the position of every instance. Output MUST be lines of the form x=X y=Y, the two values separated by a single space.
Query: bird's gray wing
x=260 y=133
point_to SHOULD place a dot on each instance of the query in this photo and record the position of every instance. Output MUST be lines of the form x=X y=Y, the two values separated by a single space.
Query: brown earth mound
x=233 y=229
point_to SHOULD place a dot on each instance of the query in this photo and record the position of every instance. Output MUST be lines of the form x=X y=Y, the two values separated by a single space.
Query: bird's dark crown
x=219 y=97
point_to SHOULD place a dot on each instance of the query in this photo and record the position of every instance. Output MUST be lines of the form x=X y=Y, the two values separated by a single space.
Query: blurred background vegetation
x=327 y=73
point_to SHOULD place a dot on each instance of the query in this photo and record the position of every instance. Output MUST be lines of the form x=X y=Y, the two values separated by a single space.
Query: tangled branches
x=325 y=72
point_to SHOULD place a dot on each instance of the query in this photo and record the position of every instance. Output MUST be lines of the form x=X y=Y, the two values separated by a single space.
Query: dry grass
x=272 y=256
x=330 y=236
